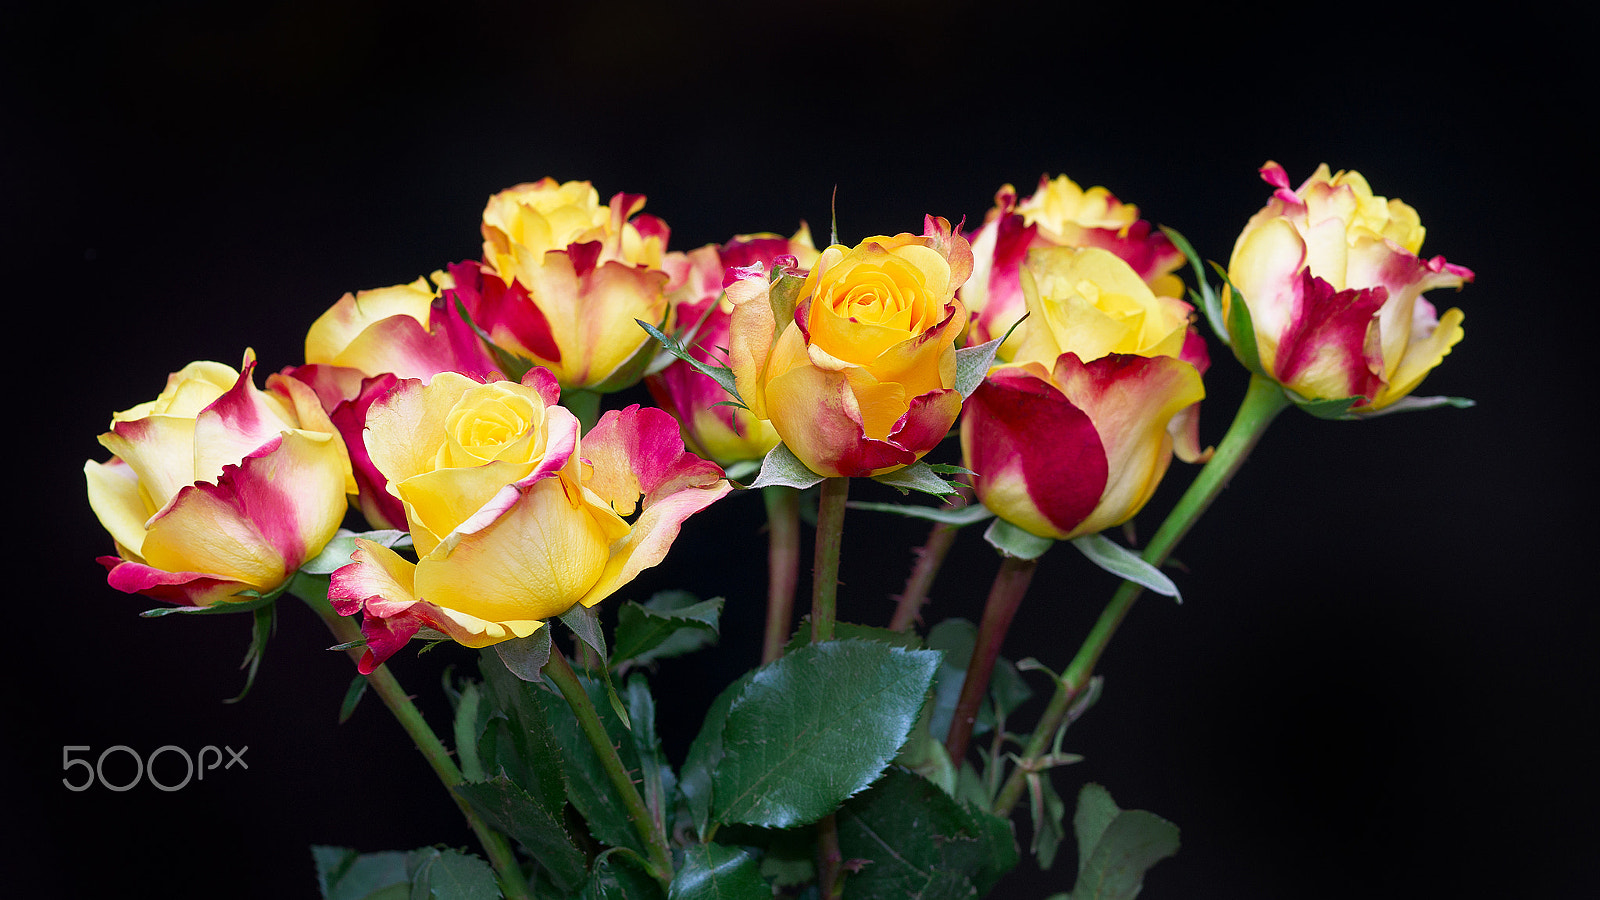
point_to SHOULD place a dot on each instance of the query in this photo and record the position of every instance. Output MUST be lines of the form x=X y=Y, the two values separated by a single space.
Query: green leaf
x=920 y=842
x=512 y=810
x=1013 y=541
x=670 y=623
x=949 y=515
x=781 y=467
x=705 y=755
x=518 y=740
x=954 y=638
x=588 y=786
x=450 y=875
x=718 y=872
x=910 y=640
x=465 y=730
x=344 y=874
x=1125 y=564
x=655 y=774
x=816 y=727
x=619 y=875
x=352 y=696
x=1122 y=846
x=919 y=476
x=525 y=657
x=1048 y=811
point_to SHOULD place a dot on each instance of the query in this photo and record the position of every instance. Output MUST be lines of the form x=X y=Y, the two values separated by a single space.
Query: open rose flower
x=563 y=281
x=1073 y=436
x=217 y=491
x=513 y=522
x=1058 y=214
x=859 y=379
x=1333 y=281
x=711 y=427
x=358 y=348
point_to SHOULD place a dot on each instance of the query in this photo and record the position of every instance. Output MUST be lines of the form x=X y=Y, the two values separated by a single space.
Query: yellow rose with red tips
x=1333 y=280
x=514 y=520
x=564 y=280
x=1074 y=435
x=218 y=491
x=857 y=369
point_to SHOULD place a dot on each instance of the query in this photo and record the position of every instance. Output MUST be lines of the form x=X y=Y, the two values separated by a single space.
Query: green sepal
x=919 y=476
x=585 y=623
x=1240 y=328
x=1016 y=542
x=352 y=697
x=262 y=625
x=781 y=467
x=511 y=365
x=336 y=553
x=1125 y=564
x=525 y=657
x=1205 y=296
x=953 y=515
x=1344 y=409
x=722 y=375
x=1116 y=846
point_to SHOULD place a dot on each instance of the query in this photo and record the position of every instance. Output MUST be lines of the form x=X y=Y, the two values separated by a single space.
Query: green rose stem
x=825 y=568
x=650 y=831
x=1005 y=596
x=1263 y=400
x=824 y=601
x=783 y=566
x=388 y=689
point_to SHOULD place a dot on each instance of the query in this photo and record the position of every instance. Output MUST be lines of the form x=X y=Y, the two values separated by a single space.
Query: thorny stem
x=649 y=828
x=1263 y=400
x=783 y=566
x=387 y=687
x=1005 y=597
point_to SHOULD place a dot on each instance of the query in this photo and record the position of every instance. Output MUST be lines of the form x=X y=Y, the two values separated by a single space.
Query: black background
x=1382 y=682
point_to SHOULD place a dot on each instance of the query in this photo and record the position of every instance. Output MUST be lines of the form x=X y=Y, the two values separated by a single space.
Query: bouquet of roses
x=444 y=467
